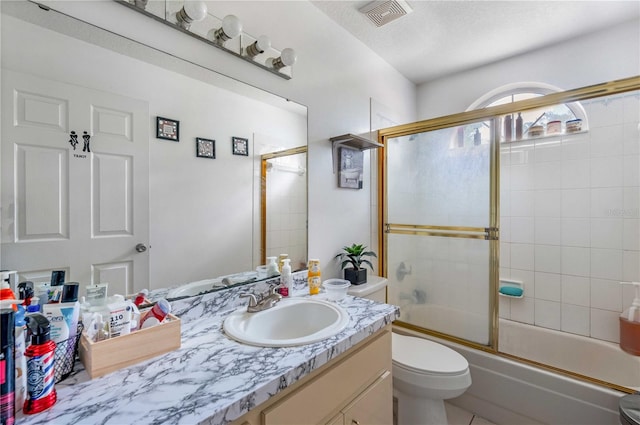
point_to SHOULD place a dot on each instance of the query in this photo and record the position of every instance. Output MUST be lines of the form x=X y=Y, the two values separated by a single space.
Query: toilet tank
x=374 y=289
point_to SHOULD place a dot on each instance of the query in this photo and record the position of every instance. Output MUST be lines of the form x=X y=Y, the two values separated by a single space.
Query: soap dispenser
x=287 y=279
x=630 y=324
x=272 y=267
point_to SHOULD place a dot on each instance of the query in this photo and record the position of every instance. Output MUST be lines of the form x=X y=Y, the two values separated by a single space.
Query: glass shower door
x=440 y=229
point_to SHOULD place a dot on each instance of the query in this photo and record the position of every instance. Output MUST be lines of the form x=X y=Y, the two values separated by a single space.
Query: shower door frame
x=492 y=114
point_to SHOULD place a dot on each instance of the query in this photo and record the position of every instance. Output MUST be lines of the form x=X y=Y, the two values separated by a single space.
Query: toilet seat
x=426 y=357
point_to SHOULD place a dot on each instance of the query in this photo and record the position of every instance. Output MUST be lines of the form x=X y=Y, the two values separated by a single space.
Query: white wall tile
x=631 y=234
x=575 y=232
x=606 y=171
x=631 y=172
x=575 y=174
x=606 y=200
x=576 y=202
x=631 y=108
x=548 y=231
x=631 y=138
x=606 y=141
x=522 y=203
x=522 y=256
x=548 y=175
x=548 y=149
x=605 y=325
x=548 y=286
x=522 y=177
x=606 y=263
x=504 y=307
x=575 y=319
x=505 y=229
x=575 y=146
x=527 y=279
x=522 y=230
x=548 y=203
x=631 y=266
x=548 y=258
x=576 y=261
x=547 y=314
x=523 y=310
x=606 y=294
x=505 y=255
x=576 y=290
x=606 y=233
x=631 y=202
x=604 y=113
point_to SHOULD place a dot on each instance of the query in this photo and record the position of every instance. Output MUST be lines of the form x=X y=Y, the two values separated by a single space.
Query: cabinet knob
x=354 y=422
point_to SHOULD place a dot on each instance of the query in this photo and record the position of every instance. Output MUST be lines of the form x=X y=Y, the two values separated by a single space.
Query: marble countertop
x=211 y=379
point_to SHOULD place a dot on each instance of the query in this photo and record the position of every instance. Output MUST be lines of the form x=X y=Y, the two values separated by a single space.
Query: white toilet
x=425 y=373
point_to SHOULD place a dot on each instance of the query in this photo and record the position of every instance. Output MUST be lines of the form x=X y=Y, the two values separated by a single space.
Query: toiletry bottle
x=630 y=324
x=141 y=297
x=519 y=127
x=120 y=312
x=41 y=392
x=477 y=137
x=508 y=123
x=7 y=294
x=272 y=267
x=156 y=314
x=286 y=278
x=314 y=277
x=281 y=259
x=20 y=361
x=64 y=316
x=7 y=371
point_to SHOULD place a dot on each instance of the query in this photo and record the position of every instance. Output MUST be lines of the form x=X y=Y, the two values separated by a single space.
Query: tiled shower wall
x=287 y=213
x=570 y=214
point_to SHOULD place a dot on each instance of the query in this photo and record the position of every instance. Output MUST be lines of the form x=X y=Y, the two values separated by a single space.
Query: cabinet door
x=374 y=406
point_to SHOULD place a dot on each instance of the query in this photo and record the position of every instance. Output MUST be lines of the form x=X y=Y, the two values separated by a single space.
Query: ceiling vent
x=381 y=12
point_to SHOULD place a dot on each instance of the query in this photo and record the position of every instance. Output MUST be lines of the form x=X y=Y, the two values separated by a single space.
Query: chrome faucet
x=265 y=303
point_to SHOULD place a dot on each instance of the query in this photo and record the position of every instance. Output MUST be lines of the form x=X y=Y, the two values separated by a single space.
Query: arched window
x=521 y=91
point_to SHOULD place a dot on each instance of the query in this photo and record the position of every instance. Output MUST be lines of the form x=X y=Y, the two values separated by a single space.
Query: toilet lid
x=424 y=356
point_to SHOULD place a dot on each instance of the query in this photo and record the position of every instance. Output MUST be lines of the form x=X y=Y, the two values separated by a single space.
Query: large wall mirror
x=123 y=164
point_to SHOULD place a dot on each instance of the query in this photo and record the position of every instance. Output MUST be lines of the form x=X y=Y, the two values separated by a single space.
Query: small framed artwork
x=205 y=148
x=240 y=146
x=167 y=129
x=351 y=168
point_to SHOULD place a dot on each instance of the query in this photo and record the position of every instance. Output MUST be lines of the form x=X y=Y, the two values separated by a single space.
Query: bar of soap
x=511 y=291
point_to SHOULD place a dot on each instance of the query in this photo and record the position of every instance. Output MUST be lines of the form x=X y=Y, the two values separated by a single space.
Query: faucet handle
x=252 y=298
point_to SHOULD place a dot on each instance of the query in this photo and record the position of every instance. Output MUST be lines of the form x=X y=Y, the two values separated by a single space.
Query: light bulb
x=231 y=28
x=192 y=11
x=259 y=46
x=287 y=58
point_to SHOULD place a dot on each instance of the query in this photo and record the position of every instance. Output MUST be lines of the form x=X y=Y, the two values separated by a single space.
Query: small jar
x=314 y=277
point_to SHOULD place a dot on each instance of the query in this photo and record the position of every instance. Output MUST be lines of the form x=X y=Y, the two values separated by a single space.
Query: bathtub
x=506 y=391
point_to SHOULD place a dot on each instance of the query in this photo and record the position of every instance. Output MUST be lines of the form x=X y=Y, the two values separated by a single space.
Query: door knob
x=141 y=247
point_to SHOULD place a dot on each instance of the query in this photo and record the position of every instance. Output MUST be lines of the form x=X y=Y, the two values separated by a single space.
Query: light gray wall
x=336 y=77
x=599 y=57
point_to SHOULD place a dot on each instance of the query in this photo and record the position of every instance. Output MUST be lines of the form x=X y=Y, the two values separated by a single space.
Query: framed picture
x=205 y=148
x=351 y=168
x=167 y=129
x=240 y=146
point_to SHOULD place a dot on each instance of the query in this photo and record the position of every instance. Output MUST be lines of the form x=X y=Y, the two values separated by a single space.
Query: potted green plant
x=354 y=255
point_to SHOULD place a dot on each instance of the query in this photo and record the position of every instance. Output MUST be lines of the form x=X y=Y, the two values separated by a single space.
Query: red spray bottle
x=41 y=393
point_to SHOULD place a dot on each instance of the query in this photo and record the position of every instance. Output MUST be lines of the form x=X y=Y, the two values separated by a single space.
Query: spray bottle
x=40 y=355
x=630 y=324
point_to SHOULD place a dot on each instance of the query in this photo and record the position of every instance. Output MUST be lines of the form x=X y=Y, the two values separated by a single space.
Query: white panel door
x=75 y=183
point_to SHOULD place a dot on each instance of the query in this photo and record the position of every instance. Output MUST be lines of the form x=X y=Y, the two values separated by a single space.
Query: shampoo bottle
x=286 y=278
x=20 y=362
x=630 y=324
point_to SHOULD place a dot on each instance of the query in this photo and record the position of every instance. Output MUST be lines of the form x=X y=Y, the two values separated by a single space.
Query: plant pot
x=356 y=277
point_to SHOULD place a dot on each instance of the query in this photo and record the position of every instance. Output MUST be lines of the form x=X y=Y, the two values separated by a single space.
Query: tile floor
x=458 y=416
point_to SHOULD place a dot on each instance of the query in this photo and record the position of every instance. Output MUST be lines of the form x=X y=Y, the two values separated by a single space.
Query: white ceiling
x=444 y=37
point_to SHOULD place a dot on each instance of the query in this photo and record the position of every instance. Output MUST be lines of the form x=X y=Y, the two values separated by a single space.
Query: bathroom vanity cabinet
x=353 y=389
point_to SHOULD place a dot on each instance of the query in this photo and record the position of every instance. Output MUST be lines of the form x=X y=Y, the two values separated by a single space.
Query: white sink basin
x=293 y=321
